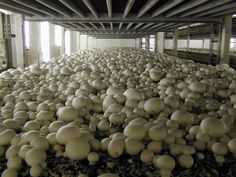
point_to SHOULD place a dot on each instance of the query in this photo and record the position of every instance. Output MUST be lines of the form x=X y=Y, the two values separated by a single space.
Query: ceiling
x=121 y=18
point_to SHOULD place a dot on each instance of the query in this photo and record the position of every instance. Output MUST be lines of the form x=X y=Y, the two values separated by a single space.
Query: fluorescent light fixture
x=5 y=12
x=26 y=34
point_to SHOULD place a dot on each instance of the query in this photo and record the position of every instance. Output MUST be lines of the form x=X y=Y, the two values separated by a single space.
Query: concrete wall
x=34 y=53
x=83 y=42
x=182 y=43
x=161 y=42
x=107 y=43
x=17 y=41
x=90 y=42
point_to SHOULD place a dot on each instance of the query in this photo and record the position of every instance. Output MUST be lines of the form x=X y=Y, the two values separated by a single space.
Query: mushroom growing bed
x=118 y=112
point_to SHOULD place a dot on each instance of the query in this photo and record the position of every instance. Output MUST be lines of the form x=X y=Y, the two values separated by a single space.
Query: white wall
x=107 y=43
x=34 y=53
x=83 y=42
x=90 y=42
x=94 y=43
x=182 y=43
x=168 y=43
x=17 y=42
x=206 y=44
x=161 y=42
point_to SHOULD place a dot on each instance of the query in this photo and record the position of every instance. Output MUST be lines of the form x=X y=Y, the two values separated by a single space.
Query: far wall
x=192 y=43
x=107 y=43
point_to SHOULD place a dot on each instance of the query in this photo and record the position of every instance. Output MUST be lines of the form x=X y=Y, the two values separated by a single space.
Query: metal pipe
x=147 y=25
x=84 y=25
x=128 y=20
x=223 y=13
x=93 y=25
x=168 y=5
x=218 y=9
x=185 y=6
x=109 y=7
x=129 y=25
x=37 y=6
x=91 y=7
x=11 y=9
x=72 y=6
x=155 y=26
x=20 y=7
x=120 y=25
x=128 y=7
x=102 y=26
x=206 y=6
x=56 y=7
x=138 y=25
x=147 y=7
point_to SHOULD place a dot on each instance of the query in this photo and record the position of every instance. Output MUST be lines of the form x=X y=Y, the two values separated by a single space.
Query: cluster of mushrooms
x=118 y=101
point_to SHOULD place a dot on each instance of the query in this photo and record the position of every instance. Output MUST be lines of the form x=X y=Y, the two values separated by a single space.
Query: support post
x=62 y=49
x=18 y=46
x=188 y=39
x=86 y=41
x=156 y=43
x=140 y=43
x=34 y=52
x=175 y=42
x=211 y=43
x=78 y=40
x=52 y=44
x=147 y=42
x=225 y=39
x=73 y=42
x=219 y=44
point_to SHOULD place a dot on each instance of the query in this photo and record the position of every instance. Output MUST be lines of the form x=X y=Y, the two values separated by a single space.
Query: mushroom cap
x=116 y=147
x=40 y=142
x=67 y=114
x=157 y=133
x=6 y=136
x=35 y=156
x=2 y=150
x=219 y=148
x=114 y=90
x=134 y=94
x=14 y=162
x=165 y=162
x=108 y=175
x=44 y=116
x=186 y=161
x=133 y=146
x=232 y=145
x=9 y=173
x=55 y=126
x=153 y=105
x=77 y=149
x=66 y=133
x=35 y=171
x=136 y=131
x=197 y=87
x=182 y=117
x=93 y=157
x=147 y=156
x=188 y=150
x=154 y=146
x=79 y=102
x=213 y=127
